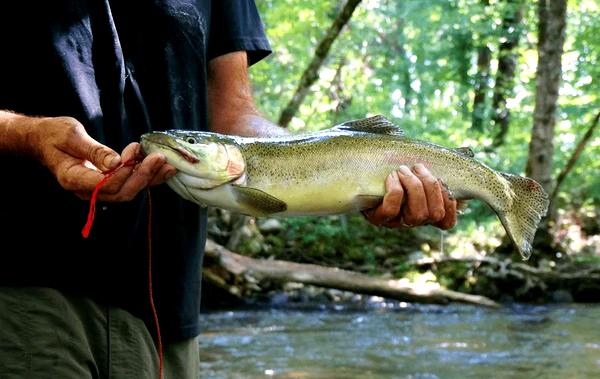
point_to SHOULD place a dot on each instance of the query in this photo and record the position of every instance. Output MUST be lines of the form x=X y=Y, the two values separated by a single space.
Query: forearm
x=231 y=107
x=16 y=133
x=64 y=147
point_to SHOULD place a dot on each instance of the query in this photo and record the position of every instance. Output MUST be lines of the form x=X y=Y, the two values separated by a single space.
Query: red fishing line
x=86 y=232
x=154 y=313
x=92 y=212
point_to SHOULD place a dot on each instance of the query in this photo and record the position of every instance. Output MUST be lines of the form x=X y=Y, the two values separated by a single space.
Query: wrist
x=17 y=134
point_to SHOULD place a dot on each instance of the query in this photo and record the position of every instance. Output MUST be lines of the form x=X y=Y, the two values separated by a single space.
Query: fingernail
x=420 y=169
x=170 y=174
x=111 y=161
x=405 y=170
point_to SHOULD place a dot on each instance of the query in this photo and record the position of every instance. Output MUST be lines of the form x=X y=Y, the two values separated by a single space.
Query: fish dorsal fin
x=466 y=151
x=376 y=124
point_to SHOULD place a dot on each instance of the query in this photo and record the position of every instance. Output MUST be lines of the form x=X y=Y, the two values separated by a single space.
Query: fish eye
x=190 y=140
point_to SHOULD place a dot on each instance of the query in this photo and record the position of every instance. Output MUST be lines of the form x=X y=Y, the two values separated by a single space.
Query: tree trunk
x=482 y=80
x=507 y=63
x=257 y=270
x=311 y=73
x=481 y=87
x=551 y=30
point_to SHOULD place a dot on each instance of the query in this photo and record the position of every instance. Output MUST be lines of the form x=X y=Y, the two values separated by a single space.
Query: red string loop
x=85 y=232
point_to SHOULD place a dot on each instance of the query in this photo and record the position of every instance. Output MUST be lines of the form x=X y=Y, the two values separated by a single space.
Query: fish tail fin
x=529 y=205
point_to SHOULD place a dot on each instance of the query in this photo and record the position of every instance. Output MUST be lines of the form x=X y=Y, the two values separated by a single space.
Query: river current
x=400 y=340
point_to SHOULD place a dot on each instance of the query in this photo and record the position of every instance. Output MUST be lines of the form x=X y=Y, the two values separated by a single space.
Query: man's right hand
x=78 y=161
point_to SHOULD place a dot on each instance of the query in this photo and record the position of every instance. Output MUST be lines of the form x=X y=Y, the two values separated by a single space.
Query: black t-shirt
x=121 y=68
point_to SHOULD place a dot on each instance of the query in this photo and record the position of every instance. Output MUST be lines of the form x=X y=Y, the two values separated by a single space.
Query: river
x=399 y=340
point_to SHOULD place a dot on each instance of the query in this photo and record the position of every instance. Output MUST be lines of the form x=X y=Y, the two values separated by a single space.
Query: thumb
x=101 y=156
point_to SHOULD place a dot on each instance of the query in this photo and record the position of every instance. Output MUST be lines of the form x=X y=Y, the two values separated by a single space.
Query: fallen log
x=283 y=271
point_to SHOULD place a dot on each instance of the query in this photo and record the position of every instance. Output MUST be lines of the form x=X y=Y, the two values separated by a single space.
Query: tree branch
x=311 y=73
x=573 y=159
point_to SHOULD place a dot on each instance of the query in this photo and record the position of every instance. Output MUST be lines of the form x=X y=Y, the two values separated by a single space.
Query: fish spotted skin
x=338 y=170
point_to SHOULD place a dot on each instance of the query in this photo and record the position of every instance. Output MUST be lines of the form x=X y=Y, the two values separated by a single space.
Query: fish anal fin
x=259 y=203
x=376 y=124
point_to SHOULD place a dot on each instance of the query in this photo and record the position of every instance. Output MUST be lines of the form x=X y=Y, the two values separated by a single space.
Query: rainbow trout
x=334 y=171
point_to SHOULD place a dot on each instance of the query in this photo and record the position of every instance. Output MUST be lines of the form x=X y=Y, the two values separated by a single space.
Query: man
x=79 y=81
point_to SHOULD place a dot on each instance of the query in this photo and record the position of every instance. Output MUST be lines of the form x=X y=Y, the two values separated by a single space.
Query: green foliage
x=415 y=62
x=349 y=242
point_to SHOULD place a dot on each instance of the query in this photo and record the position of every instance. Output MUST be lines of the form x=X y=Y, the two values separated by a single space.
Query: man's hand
x=78 y=161
x=413 y=198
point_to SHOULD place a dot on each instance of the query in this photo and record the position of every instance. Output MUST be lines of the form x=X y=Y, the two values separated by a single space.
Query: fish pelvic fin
x=530 y=204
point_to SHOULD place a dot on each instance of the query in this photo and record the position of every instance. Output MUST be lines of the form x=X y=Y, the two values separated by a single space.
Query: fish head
x=203 y=159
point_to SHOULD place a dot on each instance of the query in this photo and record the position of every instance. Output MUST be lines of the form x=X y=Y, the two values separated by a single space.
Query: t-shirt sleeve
x=236 y=26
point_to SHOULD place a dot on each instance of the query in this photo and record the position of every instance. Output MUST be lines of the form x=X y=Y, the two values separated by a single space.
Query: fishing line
x=442 y=233
x=152 y=306
x=86 y=232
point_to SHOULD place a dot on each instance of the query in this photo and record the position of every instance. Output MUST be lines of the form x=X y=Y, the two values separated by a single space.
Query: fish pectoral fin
x=376 y=124
x=258 y=202
x=364 y=202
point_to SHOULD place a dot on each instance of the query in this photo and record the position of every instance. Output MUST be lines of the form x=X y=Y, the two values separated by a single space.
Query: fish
x=336 y=171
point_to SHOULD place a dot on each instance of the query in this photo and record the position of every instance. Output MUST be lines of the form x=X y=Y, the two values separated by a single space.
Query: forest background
x=517 y=81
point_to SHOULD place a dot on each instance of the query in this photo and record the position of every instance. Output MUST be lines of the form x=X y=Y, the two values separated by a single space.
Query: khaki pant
x=46 y=334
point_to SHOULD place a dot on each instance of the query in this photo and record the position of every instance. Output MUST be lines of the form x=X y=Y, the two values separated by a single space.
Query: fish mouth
x=231 y=165
x=185 y=154
x=163 y=140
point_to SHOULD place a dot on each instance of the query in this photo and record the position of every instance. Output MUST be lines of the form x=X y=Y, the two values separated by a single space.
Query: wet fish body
x=338 y=170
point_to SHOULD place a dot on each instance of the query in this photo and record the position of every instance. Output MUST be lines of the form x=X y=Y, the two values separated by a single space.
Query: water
x=398 y=340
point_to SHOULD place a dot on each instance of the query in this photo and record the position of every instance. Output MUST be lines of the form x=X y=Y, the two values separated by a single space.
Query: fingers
x=433 y=194
x=414 y=197
x=450 y=207
x=125 y=183
x=79 y=144
x=79 y=162
x=165 y=173
x=141 y=177
x=75 y=176
x=392 y=202
x=129 y=181
x=415 y=210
